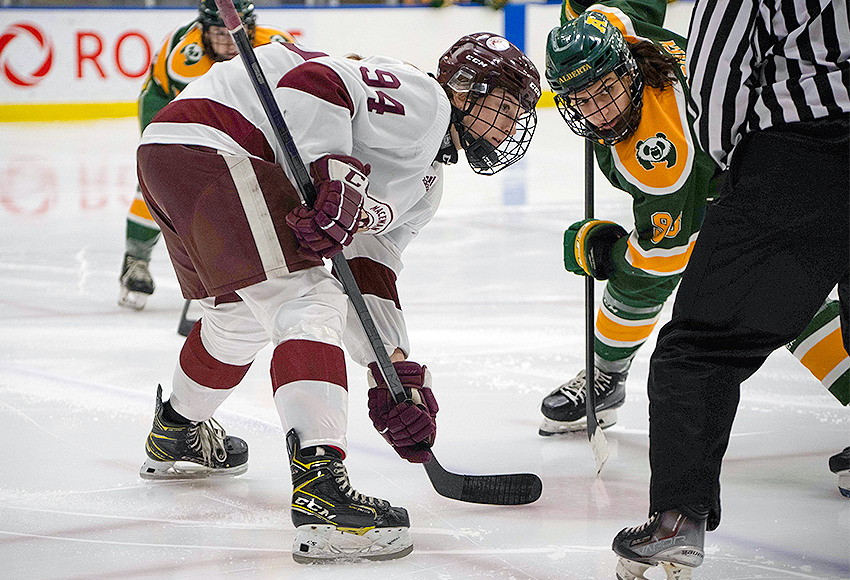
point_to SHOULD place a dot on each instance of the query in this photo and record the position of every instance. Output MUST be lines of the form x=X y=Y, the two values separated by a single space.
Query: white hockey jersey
x=386 y=113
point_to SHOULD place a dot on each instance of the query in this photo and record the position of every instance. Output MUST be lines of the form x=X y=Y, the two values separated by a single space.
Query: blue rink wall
x=87 y=63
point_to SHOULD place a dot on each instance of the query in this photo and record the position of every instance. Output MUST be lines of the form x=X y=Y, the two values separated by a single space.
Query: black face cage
x=483 y=156
x=627 y=119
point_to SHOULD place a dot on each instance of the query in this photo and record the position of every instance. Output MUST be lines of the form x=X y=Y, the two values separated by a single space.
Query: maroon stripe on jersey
x=308 y=360
x=201 y=367
x=319 y=80
x=221 y=117
x=374 y=278
x=305 y=54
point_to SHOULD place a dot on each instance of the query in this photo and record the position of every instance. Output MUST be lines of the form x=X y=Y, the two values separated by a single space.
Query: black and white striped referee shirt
x=754 y=64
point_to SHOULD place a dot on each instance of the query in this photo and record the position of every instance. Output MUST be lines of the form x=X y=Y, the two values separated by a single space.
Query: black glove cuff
x=600 y=253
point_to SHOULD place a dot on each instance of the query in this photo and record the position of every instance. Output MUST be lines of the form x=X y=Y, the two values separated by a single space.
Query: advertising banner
x=93 y=56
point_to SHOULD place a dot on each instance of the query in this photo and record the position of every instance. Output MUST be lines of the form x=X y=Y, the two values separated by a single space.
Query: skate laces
x=575 y=390
x=341 y=477
x=208 y=438
x=642 y=528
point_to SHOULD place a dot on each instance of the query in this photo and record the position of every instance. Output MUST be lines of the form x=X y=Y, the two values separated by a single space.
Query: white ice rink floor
x=491 y=312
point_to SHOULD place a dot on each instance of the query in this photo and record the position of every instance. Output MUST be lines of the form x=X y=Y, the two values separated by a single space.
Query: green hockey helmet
x=579 y=55
x=209 y=15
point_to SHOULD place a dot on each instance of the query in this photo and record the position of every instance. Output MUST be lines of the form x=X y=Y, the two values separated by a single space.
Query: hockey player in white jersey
x=375 y=133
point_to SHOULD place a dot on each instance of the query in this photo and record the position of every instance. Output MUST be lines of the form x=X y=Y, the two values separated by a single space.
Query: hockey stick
x=598 y=443
x=490 y=489
x=184 y=327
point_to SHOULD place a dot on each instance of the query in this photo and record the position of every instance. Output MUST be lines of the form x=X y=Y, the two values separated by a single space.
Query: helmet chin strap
x=480 y=153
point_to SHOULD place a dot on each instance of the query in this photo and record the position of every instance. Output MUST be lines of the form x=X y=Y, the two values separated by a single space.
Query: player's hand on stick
x=341 y=184
x=407 y=425
x=588 y=246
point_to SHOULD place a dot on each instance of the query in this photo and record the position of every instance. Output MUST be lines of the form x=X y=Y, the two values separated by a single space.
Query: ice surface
x=491 y=312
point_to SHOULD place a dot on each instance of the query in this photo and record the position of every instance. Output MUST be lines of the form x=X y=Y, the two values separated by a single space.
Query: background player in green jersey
x=619 y=81
x=186 y=54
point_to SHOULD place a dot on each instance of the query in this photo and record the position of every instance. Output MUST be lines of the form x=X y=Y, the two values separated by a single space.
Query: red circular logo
x=42 y=58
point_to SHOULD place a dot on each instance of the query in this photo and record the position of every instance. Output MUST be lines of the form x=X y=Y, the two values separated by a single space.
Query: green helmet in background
x=581 y=53
x=209 y=15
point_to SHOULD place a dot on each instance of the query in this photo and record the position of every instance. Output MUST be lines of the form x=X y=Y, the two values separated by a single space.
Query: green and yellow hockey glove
x=588 y=247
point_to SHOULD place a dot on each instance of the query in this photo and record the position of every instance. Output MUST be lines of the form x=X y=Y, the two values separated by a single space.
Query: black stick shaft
x=589 y=301
x=306 y=189
x=444 y=482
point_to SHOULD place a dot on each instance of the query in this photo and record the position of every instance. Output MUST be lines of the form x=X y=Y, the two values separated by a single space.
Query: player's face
x=493 y=117
x=222 y=43
x=603 y=103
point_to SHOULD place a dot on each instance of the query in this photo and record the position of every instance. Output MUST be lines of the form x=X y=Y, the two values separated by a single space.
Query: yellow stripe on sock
x=824 y=356
x=140 y=209
x=624 y=333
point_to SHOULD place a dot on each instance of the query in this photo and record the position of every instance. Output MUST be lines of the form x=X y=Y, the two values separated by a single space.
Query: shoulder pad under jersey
x=187 y=60
x=266 y=34
x=658 y=157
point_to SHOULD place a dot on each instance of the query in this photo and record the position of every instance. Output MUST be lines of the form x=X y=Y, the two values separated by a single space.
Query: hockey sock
x=321 y=450
x=206 y=370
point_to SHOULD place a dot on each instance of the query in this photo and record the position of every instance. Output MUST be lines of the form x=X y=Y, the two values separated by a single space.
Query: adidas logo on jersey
x=428 y=181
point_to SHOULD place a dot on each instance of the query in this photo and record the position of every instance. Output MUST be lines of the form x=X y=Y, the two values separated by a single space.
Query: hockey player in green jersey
x=619 y=81
x=186 y=54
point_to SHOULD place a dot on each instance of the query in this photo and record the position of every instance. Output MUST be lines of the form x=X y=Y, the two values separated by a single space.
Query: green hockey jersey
x=668 y=177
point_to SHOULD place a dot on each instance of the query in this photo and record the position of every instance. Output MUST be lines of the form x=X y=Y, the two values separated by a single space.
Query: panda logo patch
x=192 y=53
x=654 y=150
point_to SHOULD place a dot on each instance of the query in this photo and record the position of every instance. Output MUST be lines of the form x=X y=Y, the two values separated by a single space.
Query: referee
x=770 y=104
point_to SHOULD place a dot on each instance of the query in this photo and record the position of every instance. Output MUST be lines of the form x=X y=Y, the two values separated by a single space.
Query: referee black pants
x=773 y=246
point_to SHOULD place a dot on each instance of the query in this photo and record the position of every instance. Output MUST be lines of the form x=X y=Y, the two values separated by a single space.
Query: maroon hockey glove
x=341 y=183
x=404 y=425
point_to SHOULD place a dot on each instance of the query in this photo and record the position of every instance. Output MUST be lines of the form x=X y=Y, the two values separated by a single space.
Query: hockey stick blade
x=508 y=489
x=599 y=446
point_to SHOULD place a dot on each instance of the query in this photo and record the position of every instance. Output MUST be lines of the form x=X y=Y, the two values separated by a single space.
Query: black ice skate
x=840 y=465
x=670 y=538
x=136 y=283
x=564 y=408
x=333 y=521
x=196 y=450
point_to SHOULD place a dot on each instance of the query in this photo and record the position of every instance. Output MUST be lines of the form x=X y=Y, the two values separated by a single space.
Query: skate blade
x=632 y=570
x=549 y=427
x=130 y=299
x=325 y=544
x=170 y=470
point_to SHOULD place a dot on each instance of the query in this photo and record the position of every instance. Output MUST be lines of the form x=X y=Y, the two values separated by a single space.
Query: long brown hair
x=657 y=66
